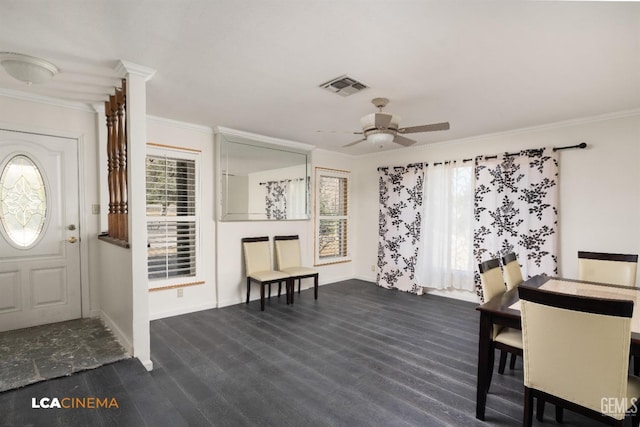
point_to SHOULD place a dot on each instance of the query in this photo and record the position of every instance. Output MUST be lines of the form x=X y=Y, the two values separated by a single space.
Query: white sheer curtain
x=445 y=254
x=297 y=199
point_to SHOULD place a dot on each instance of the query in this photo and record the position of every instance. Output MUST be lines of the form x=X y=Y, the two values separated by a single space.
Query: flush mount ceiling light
x=28 y=69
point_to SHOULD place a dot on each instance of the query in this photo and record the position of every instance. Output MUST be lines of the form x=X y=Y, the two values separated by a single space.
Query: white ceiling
x=255 y=65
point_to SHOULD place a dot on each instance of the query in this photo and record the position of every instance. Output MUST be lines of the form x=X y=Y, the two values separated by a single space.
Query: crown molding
x=123 y=68
x=208 y=130
x=31 y=97
x=334 y=153
x=268 y=139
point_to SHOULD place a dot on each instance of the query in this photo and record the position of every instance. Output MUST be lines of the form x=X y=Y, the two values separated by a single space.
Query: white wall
x=115 y=287
x=231 y=279
x=164 y=303
x=599 y=186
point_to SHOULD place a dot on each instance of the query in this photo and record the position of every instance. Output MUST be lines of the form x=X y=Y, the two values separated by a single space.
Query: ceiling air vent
x=344 y=85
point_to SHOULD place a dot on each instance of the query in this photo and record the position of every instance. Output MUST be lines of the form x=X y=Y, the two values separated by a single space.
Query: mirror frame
x=231 y=136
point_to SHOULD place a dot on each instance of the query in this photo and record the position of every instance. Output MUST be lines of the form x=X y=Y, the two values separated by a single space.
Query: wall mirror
x=260 y=179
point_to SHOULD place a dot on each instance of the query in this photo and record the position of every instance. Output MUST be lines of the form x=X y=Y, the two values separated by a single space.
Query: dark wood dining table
x=504 y=310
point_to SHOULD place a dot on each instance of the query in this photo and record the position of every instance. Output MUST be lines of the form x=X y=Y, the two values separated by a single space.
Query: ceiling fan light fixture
x=380 y=138
x=28 y=69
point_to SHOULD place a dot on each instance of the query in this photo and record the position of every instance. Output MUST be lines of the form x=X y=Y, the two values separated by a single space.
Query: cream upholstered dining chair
x=576 y=355
x=288 y=260
x=257 y=262
x=616 y=269
x=507 y=340
x=512 y=273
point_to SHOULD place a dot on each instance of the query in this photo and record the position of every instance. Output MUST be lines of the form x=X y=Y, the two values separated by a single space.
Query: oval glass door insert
x=23 y=207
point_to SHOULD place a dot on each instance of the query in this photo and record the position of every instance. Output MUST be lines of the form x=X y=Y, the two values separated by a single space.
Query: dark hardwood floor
x=360 y=355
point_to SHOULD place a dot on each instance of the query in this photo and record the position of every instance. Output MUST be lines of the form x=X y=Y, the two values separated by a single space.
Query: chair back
x=287 y=251
x=616 y=269
x=576 y=348
x=512 y=273
x=491 y=279
x=257 y=254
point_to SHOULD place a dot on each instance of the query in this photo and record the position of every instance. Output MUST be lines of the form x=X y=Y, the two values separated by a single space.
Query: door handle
x=72 y=239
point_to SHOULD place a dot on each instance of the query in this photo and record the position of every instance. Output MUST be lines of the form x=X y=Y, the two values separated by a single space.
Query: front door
x=39 y=235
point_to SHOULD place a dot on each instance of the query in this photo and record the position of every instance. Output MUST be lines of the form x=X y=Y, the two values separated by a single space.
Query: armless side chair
x=616 y=269
x=257 y=261
x=507 y=340
x=573 y=359
x=512 y=272
x=288 y=260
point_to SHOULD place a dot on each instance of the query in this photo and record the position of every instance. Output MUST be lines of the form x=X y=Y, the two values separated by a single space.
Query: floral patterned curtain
x=399 y=226
x=276 y=199
x=516 y=210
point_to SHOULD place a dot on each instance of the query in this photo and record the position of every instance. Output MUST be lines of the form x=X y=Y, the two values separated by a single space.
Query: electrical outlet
x=373 y=267
x=95 y=209
x=180 y=292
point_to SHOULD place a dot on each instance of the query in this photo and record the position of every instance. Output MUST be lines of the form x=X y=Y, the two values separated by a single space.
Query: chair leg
x=315 y=288
x=540 y=409
x=503 y=362
x=293 y=288
x=262 y=285
x=269 y=290
x=279 y=288
x=299 y=284
x=527 y=419
x=492 y=359
x=512 y=363
x=248 y=288
x=559 y=414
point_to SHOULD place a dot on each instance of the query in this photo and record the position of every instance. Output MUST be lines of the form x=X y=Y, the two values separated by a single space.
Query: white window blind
x=172 y=225
x=332 y=216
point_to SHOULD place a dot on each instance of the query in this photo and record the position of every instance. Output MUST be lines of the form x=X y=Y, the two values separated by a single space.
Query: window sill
x=320 y=264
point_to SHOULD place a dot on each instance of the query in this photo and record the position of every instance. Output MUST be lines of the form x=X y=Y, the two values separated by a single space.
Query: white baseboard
x=306 y=284
x=148 y=364
x=120 y=336
x=179 y=311
x=454 y=294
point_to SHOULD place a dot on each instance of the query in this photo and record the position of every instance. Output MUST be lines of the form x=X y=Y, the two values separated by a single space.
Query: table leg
x=484 y=364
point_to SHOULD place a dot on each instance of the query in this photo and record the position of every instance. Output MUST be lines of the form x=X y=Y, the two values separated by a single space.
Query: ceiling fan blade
x=425 y=128
x=355 y=142
x=383 y=120
x=340 y=131
x=399 y=139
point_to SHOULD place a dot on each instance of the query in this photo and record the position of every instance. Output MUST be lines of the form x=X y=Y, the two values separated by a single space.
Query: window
x=172 y=217
x=445 y=257
x=23 y=207
x=332 y=216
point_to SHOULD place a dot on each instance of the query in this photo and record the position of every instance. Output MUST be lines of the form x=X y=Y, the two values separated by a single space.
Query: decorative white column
x=137 y=76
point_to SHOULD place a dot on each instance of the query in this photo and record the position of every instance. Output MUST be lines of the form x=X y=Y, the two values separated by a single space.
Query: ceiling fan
x=380 y=127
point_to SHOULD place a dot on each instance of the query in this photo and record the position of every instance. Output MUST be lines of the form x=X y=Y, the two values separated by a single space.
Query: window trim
x=173 y=152
x=337 y=173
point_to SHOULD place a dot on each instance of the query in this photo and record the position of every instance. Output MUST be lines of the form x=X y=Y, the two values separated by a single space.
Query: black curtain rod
x=581 y=145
